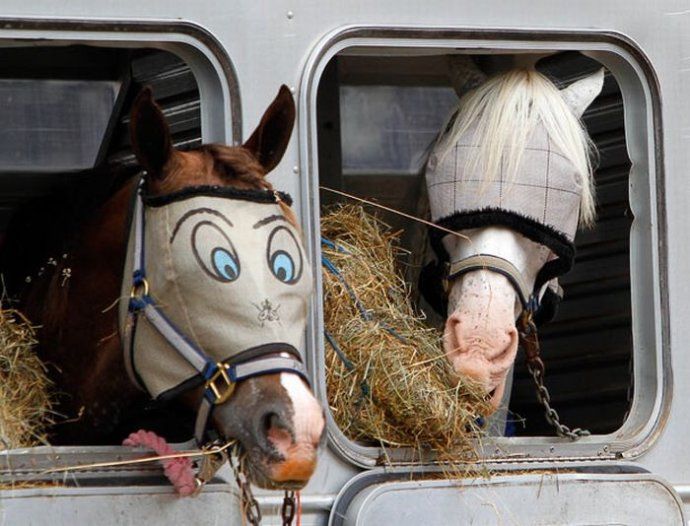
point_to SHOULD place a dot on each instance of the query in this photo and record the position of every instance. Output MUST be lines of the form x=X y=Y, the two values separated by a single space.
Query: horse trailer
x=374 y=84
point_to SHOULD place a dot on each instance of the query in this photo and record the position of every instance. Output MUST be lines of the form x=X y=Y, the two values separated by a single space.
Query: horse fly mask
x=542 y=204
x=218 y=293
x=541 y=197
x=541 y=201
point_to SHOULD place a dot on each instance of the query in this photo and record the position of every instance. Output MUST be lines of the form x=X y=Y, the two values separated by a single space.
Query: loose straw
x=394 y=211
x=181 y=454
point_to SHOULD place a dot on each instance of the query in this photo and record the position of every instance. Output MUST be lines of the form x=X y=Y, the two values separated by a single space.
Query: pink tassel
x=178 y=470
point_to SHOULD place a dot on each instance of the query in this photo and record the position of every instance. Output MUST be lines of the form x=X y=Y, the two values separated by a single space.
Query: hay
x=398 y=389
x=25 y=390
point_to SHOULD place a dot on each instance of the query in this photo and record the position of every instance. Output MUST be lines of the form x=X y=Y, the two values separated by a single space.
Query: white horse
x=511 y=174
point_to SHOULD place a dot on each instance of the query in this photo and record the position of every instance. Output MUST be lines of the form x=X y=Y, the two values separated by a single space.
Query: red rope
x=299 y=508
x=178 y=470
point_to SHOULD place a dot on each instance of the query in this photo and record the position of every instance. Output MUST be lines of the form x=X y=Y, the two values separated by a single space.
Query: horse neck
x=79 y=324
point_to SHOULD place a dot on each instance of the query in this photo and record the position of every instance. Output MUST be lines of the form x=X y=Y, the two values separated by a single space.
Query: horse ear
x=464 y=74
x=272 y=135
x=579 y=95
x=150 y=134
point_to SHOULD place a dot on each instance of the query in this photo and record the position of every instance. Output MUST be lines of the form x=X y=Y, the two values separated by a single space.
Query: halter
x=529 y=298
x=219 y=377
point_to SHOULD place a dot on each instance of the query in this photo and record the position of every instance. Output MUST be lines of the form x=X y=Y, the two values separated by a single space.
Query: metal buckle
x=139 y=289
x=225 y=390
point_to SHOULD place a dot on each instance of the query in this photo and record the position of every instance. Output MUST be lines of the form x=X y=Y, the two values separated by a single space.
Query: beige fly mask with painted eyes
x=226 y=271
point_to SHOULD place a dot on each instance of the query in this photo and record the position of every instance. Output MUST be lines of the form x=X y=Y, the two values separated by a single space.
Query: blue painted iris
x=284 y=255
x=282 y=266
x=225 y=264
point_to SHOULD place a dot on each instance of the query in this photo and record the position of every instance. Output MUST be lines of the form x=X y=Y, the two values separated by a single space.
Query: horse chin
x=278 y=431
x=285 y=474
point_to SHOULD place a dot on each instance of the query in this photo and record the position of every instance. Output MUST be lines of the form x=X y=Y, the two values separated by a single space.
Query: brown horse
x=65 y=261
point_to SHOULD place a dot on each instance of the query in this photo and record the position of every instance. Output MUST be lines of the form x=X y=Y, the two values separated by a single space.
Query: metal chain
x=288 y=509
x=211 y=462
x=530 y=343
x=250 y=507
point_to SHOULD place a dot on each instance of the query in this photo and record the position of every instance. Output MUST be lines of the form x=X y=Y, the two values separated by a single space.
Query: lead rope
x=529 y=339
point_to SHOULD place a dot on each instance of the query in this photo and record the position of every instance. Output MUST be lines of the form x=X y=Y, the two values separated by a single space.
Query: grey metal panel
x=533 y=499
x=150 y=505
x=271 y=46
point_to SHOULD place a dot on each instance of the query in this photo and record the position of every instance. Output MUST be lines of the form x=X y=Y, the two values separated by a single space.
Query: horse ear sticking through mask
x=246 y=166
x=270 y=139
x=152 y=143
x=150 y=134
x=272 y=135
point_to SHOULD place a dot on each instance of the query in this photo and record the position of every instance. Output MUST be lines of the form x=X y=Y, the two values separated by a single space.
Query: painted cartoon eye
x=284 y=255
x=225 y=264
x=214 y=252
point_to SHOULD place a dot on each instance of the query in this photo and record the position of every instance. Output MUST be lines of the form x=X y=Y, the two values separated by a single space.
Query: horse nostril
x=276 y=430
x=272 y=420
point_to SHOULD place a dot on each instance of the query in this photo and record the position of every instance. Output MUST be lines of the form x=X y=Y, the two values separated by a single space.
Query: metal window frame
x=221 y=121
x=648 y=236
x=213 y=69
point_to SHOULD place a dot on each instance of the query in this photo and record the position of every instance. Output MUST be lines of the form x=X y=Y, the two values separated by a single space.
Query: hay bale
x=392 y=382
x=25 y=390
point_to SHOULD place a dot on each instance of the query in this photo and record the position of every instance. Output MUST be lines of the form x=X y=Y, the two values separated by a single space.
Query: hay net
x=388 y=379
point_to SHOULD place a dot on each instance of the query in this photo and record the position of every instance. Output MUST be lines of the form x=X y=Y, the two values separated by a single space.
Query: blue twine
x=363 y=311
x=329 y=338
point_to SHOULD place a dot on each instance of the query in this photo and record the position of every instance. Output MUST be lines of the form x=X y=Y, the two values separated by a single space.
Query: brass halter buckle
x=139 y=289
x=220 y=384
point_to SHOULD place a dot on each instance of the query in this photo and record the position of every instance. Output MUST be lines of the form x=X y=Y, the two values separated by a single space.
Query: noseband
x=528 y=298
x=219 y=377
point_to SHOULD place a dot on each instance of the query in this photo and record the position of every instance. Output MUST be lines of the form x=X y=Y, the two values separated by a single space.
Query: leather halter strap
x=528 y=298
x=220 y=377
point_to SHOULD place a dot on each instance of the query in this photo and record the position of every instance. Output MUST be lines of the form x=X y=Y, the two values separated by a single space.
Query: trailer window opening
x=388 y=129
x=376 y=117
x=60 y=121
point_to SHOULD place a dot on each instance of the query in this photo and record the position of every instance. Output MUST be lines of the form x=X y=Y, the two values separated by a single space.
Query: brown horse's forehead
x=196 y=168
x=187 y=169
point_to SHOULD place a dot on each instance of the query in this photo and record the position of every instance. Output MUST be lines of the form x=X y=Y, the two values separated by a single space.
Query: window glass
x=53 y=125
x=387 y=129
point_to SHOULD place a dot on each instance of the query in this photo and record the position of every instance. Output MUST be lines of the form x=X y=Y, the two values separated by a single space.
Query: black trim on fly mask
x=253 y=195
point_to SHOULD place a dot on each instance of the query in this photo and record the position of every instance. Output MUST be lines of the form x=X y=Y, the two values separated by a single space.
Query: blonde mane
x=504 y=112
